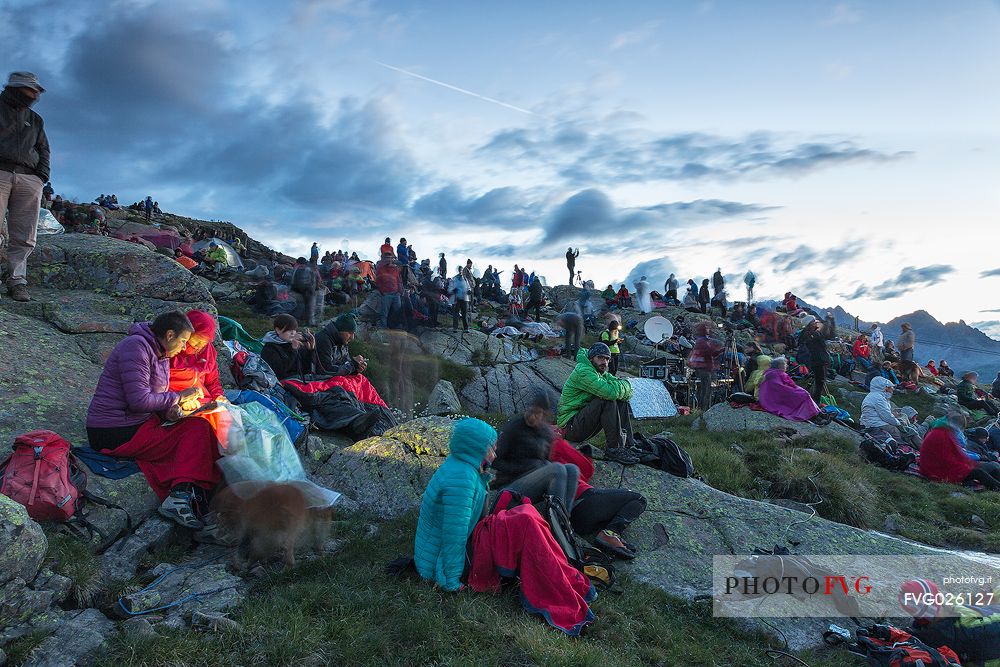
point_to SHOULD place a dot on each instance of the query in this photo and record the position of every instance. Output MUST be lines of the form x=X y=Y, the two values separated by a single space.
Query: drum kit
x=658 y=330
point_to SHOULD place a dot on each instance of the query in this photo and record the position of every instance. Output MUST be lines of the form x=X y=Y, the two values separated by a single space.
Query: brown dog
x=908 y=371
x=269 y=518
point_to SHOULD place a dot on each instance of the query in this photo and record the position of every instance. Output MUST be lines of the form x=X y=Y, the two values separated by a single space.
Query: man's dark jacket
x=332 y=356
x=520 y=449
x=24 y=148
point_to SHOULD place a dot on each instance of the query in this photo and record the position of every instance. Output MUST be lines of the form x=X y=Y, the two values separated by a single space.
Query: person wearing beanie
x=592 y=399
x=333 y=361
x=24 y=168
x=333 y=355
x=520 y=449
x=523 y=447
x=453 y=504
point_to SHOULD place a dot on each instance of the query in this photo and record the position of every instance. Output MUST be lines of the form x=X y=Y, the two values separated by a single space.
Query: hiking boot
x=179 y=508
x=609 y=540
x=622 y=455
x=18 y=292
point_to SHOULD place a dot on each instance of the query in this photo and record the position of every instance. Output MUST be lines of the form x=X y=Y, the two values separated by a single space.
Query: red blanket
x=356 y=384
x=942 y=457
x=518 y=541
x=170 y=455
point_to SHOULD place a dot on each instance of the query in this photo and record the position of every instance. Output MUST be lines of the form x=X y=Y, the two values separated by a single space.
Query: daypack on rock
x=887 y=646
x=885 y=453
x=43 y=475
x=39 y=476
x=664 y=454
x=249 y=370
x=303 y=279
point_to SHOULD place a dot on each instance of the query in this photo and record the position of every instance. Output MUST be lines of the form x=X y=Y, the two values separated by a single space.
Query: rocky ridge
x=88 y=290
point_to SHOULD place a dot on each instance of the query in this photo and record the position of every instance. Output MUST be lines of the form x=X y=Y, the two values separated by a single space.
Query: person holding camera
x=288 y=351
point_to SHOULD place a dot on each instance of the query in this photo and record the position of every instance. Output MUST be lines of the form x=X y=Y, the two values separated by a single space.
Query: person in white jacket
x=642 y=297
x=877 y=339
x=877 y=413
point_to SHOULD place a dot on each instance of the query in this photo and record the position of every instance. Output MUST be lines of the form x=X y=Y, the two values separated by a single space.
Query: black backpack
x=885 y=453
x=664 y=454
x=303 y=280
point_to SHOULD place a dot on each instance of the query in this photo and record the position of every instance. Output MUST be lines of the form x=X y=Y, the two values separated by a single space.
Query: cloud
x=992 y=273
x=583 y=156
x=590 y=213
x=656 y=271
x=499 y=206
x=843 y=13
x=989 y=327
x=806 y=257
x=908 y=279
x=169 y=111
x=634 y=37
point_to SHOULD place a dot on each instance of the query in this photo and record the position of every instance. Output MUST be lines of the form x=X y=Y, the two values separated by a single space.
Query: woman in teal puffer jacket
x=453 y=504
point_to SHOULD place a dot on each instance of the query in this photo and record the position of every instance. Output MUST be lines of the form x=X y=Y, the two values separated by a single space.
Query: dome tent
x=232 y=256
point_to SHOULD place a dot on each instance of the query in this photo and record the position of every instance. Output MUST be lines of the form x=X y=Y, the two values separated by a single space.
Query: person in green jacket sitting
x=593 y=399
x=969 y=398
x=453 y=504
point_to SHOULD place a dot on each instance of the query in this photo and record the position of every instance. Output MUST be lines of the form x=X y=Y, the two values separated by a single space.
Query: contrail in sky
x=455 y=88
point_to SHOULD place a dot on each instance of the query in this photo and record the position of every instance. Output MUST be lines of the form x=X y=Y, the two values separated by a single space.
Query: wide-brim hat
x=24 y=80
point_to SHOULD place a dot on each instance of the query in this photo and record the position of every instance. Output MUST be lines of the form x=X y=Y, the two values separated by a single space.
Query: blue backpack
x=296 y=424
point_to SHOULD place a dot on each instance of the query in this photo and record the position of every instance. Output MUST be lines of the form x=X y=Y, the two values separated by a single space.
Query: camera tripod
x=732 y=368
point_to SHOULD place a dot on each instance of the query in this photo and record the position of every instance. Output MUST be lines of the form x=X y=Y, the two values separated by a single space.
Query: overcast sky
x=847 y=151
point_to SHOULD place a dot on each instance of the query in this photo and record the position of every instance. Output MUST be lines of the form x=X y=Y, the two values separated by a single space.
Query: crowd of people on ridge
x=159 y=400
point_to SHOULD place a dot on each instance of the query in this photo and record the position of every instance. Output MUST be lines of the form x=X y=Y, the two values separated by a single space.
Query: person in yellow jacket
x=610 y=337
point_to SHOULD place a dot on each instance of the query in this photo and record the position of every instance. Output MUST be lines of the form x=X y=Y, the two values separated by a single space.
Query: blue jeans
x=390 y=302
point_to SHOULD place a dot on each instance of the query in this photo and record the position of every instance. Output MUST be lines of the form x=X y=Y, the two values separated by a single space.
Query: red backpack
x=887 y=646
x=43 y=475
x=39 y=475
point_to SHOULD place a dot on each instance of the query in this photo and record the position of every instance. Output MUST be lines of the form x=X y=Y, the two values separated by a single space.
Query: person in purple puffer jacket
x=132 y=409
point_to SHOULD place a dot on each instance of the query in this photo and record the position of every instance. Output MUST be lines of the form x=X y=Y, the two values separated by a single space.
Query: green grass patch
x=759 y=466
x=256 y=325
x=344 y=610
x=17 y=651
x=72 y=557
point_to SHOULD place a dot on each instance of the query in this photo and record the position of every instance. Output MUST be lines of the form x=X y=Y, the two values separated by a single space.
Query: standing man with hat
x=906 y=342
x=24 y=169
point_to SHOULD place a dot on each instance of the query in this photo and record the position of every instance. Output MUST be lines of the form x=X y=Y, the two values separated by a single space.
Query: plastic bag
x=257 y=451
x=47 y=224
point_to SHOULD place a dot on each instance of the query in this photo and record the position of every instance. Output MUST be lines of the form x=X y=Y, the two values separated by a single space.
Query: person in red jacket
x=386 y=248
x=932 y=368
x=944 y=459
x=390 y=286
x=197 y=366
x=705 y=360
x=862 y=352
